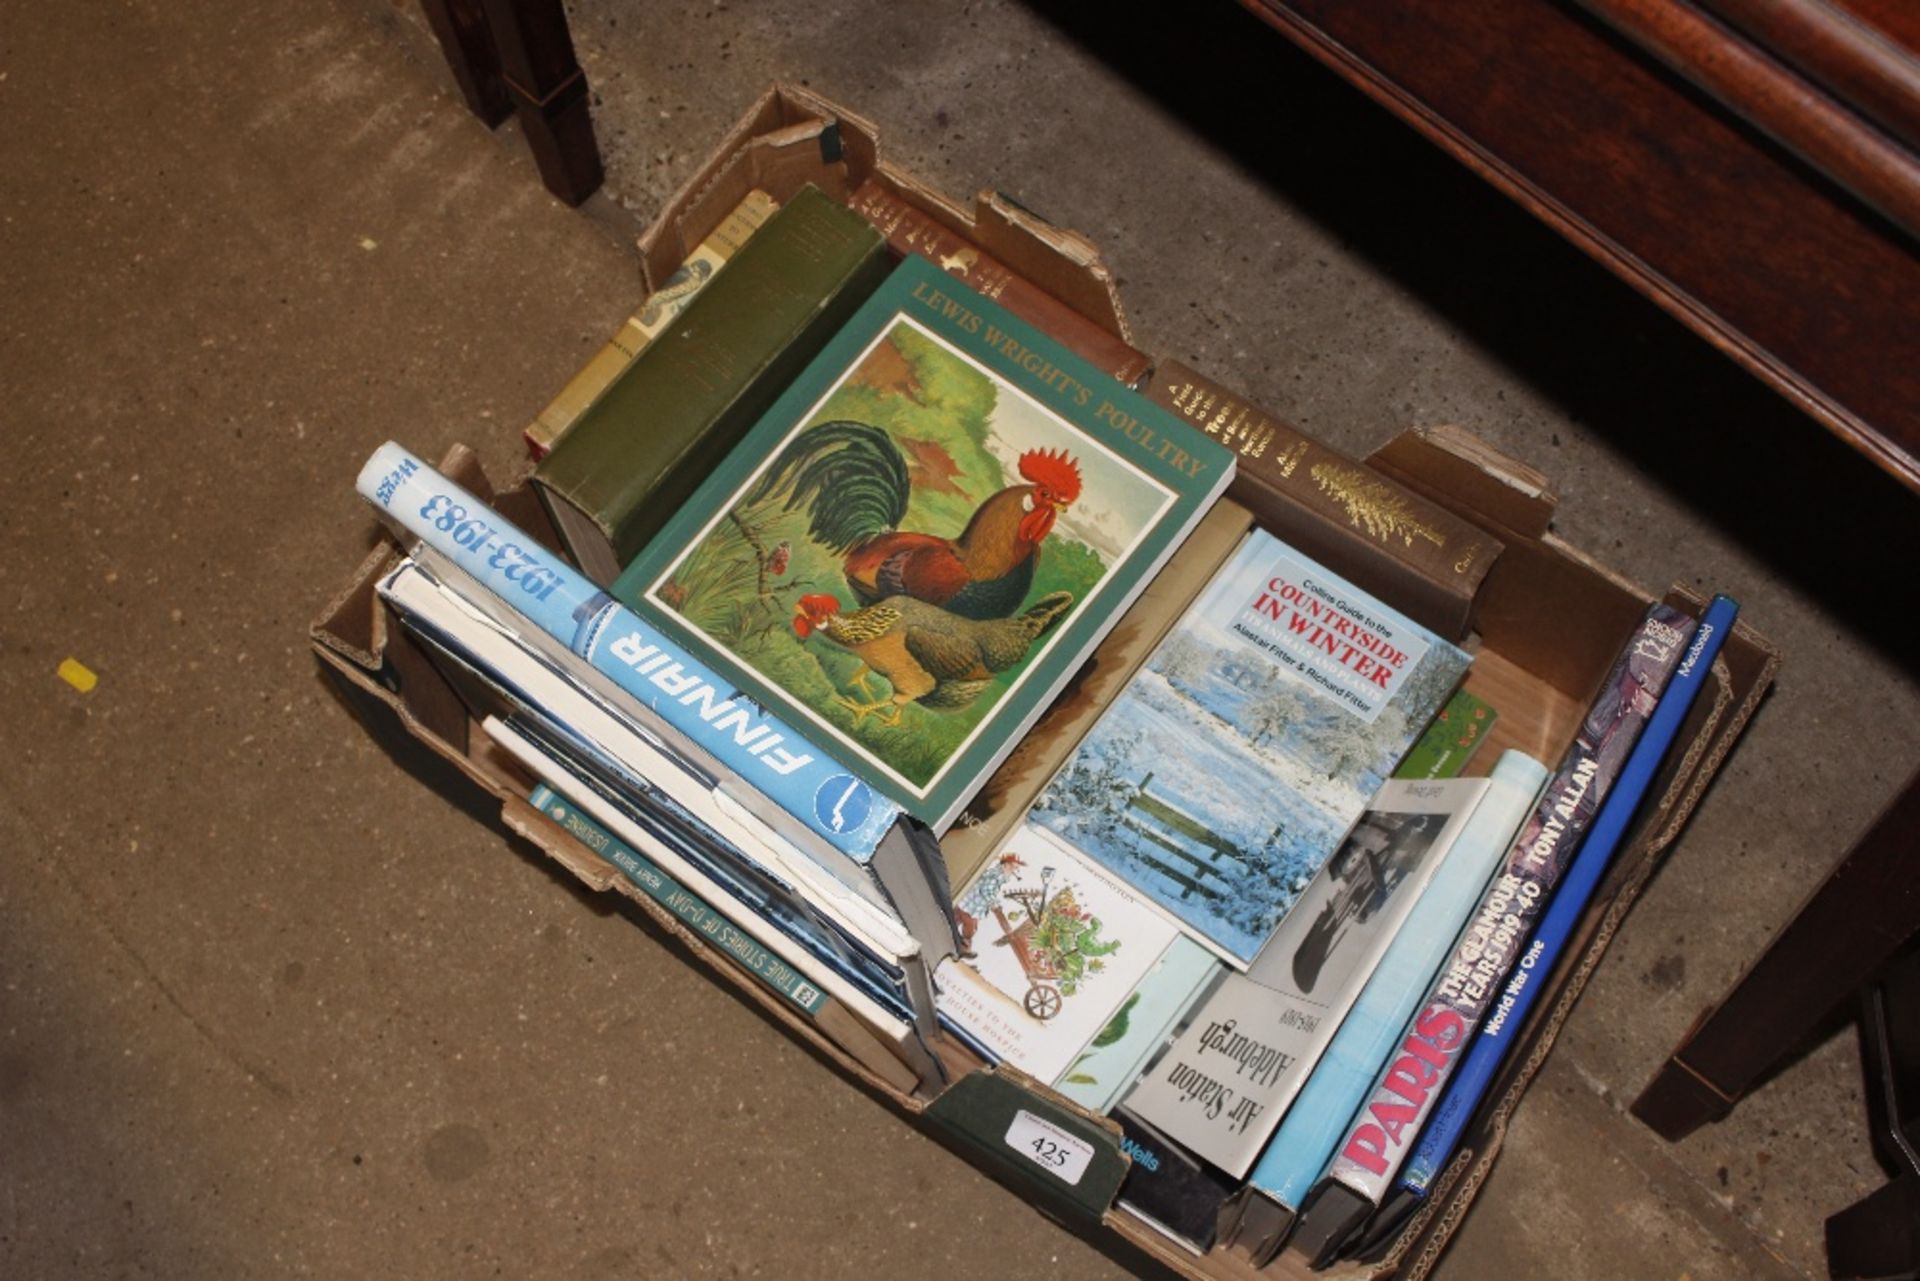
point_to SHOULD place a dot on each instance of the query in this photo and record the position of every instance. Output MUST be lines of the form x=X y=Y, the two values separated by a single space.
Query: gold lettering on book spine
x=1233 y=425
x=1373 y=506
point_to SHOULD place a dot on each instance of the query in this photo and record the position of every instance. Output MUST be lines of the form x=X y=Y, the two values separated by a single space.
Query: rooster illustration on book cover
x=853 y=481
x=901 y=555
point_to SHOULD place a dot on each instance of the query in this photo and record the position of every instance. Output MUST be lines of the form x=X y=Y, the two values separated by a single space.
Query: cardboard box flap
x=1064 y=263
x=1469 y=476
x=792 y=136
x=777 y=142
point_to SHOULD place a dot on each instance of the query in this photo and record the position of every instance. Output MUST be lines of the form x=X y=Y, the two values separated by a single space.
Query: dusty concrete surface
x=272 y=1005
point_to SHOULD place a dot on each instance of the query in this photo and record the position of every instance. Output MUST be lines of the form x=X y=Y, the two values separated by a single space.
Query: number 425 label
x=1049 y=1147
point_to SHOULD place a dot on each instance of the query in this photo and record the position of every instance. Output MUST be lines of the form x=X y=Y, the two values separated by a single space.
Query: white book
x=1225 y=1083
x=899 y=1035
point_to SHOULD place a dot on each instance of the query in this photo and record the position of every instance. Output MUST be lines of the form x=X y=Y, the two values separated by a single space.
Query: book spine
x=692 y=910
x=1231 y=1078
x=636 y=454
x=1113 y=1059
x=1404 y=1095
x=1342 y=513
x=1298 y=1152
x=901 y=1038
x=1451 y=740
x=762 y=750
x=640 y=328
x=1449 y=1121
x=909 y=231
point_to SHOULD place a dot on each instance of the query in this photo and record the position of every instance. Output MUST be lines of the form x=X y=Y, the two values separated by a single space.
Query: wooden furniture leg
x=549 y=91
x=467 y=43
x=1846 y=932
x=1879 y=1236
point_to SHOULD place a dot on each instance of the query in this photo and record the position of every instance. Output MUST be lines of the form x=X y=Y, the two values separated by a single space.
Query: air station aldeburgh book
x=912 y=551
x=1241 y=754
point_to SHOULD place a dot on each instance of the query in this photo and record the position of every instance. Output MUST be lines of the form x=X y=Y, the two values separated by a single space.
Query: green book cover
x=635 y=453
x=926 y=535
x=1450 y=742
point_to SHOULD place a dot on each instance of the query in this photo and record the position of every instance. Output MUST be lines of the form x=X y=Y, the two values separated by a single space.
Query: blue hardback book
x=1449 y=1121
x=1299 y=1150
x=810 y=787
x=1367 y=1161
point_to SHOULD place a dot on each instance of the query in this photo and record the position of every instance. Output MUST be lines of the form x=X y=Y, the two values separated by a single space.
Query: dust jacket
x=912 y=551
x=1240 y=756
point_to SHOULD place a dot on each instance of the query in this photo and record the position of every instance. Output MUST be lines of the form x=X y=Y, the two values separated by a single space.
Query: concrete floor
x=271 y=1006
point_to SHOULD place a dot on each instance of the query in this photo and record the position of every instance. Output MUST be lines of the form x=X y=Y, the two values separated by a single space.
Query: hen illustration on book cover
x=916 y=545
x=1240 y=756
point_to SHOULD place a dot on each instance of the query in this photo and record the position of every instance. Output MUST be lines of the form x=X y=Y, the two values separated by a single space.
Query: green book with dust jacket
x=635 y=454
x=926 y=535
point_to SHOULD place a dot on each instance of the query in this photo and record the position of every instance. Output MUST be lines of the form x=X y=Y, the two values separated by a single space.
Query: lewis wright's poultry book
x=928 y=533
x=1236 y=761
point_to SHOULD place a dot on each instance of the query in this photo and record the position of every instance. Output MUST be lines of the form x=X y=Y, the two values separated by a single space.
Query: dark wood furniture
x=1693 y=203
x=1851 y=938
x=515 y=57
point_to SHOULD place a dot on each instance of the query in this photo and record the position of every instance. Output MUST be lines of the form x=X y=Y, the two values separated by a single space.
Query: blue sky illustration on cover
x=1239 y=757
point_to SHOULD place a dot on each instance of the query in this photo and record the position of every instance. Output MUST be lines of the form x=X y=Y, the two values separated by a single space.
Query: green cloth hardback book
x=637 y=452
x=926 y=535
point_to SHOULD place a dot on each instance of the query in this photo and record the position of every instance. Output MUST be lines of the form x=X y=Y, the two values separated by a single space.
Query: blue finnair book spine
x=1298 y=1152
x=770 y=755
x=661 y=817
x=692 y=911
x=1470 y=1083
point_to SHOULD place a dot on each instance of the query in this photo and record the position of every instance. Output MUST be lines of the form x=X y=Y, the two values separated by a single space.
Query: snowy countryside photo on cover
x=1237 y=760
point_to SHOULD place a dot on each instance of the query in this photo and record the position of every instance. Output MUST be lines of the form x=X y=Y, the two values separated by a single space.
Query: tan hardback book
x=1357 y=522
x=640 y=328
x=910 y=231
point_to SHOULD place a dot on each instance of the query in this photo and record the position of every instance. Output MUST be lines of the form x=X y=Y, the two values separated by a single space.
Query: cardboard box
x=1550 y=620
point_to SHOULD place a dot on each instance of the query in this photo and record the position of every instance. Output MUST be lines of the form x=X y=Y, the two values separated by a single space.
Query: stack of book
x=901 y=648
